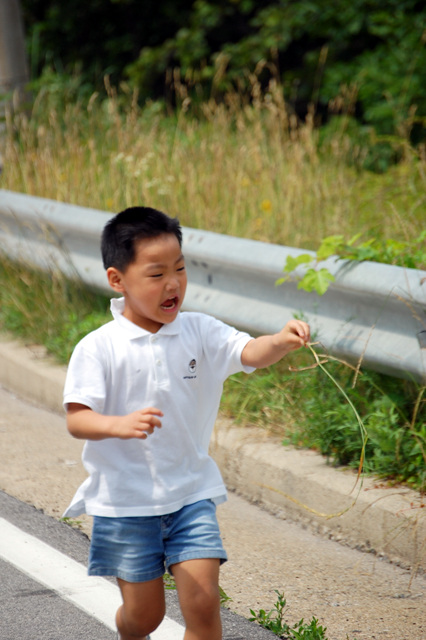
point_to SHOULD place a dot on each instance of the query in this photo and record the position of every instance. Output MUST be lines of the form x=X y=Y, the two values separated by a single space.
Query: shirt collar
x=133 y=330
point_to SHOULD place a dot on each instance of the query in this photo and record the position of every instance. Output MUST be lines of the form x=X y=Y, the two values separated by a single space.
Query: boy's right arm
x=86 y=424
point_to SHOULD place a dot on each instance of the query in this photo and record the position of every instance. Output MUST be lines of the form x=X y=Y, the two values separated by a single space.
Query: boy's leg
x=197 y=583
x=142 y=610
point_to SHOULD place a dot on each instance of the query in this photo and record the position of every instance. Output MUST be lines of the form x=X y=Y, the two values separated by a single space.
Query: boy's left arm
x=266 y=350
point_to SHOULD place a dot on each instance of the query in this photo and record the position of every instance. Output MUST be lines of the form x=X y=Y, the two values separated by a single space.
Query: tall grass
x=249 y=170
x=45 y=308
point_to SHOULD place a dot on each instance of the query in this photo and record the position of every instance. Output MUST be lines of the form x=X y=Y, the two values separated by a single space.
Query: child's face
x=154 y=284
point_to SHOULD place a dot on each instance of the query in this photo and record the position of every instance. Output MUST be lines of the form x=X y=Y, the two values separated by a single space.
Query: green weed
x=72 y=522
x=307 y=410
x=274 y=621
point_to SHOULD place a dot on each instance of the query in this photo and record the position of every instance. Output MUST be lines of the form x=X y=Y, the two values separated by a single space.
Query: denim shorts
x=139 y=549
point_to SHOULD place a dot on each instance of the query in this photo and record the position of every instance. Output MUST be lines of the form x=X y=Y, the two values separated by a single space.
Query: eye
x=181 y=268
x=156 y=275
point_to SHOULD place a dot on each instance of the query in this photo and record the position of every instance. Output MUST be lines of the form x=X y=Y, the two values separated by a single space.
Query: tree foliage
x=97 y=37
x=364 y=57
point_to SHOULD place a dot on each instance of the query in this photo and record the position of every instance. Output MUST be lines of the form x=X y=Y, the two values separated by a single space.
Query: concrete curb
x=293 y=484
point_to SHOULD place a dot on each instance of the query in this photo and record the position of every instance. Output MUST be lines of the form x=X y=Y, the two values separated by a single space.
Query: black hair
x=121 y=233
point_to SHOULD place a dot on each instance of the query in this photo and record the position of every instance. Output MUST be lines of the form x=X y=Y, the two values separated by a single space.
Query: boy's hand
x=84 y=423
x=266 y=350
x=294 y=335
x=139 y=424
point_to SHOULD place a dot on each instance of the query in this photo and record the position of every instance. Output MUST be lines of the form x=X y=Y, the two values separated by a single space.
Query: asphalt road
x=45 y=594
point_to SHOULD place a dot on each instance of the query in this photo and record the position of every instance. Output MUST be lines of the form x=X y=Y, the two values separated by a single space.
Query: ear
x=115 y=279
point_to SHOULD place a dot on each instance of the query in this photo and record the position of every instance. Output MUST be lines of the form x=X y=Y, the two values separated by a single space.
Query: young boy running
x=144 y=391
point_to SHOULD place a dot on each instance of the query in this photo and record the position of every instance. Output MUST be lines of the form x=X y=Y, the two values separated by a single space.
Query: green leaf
x=354 y=239
x=330 y=246
x=292 y=263
x=318 y=281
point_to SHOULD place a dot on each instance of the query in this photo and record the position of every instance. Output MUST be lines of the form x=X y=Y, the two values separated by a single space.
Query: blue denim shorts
x=139 y=549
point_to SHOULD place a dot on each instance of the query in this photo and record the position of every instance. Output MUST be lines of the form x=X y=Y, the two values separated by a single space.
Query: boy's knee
x=143 y=607
x=140 y=622
x=205 y=603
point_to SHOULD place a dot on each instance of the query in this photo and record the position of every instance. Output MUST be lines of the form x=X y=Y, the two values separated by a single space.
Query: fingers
x=305 y=332
x=153 y=411
x=151 y=415
x=148 y=420
x=300 y=329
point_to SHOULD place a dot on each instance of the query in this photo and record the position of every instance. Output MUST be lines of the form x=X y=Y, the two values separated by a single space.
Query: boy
x=144 y=391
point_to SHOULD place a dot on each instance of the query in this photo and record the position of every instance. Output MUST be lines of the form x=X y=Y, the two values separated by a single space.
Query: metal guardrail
x=373 y=312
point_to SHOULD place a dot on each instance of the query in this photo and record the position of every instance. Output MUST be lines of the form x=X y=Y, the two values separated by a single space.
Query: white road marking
x=96 y=596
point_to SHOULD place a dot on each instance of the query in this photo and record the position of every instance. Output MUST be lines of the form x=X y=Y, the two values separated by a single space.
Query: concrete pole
x=13 y=64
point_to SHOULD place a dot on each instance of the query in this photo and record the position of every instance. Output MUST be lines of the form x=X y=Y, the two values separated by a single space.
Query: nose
x=172 y=283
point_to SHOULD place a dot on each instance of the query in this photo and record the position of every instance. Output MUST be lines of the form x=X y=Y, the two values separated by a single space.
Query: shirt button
x=158 y=363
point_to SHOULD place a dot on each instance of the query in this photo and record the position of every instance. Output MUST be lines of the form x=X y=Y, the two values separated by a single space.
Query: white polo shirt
x=121 y=368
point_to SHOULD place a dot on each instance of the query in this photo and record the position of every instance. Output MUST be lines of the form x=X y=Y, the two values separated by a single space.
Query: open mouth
x=170 y=304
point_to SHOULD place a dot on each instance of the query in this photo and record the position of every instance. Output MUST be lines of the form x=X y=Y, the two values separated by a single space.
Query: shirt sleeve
x=223 y=346
x=85 y=381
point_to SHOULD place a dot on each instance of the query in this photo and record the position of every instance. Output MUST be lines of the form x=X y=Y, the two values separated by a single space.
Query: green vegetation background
x=364 y=56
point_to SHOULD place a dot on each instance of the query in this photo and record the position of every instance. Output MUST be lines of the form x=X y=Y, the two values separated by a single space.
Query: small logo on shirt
x=192 y=368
